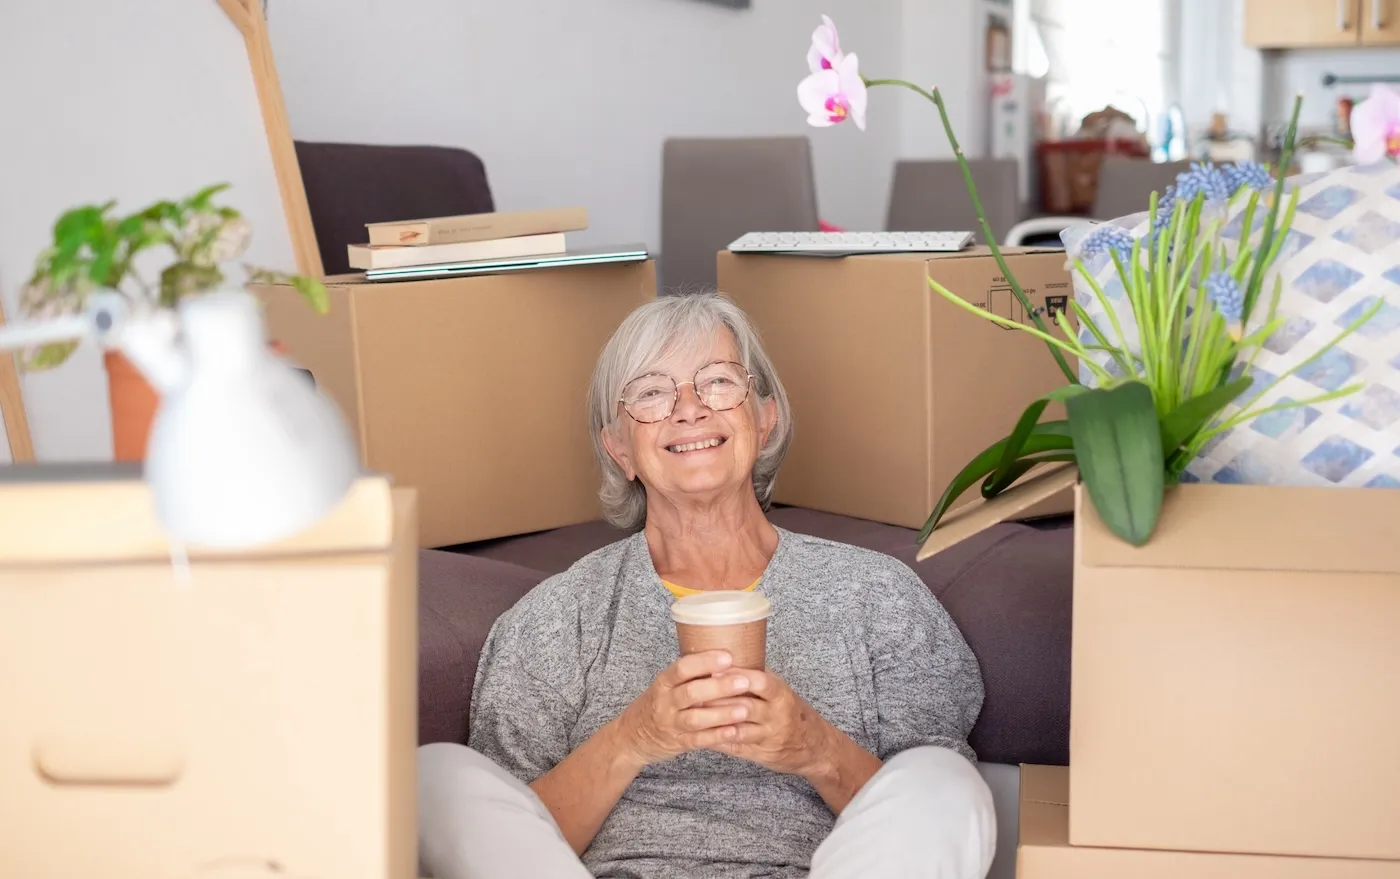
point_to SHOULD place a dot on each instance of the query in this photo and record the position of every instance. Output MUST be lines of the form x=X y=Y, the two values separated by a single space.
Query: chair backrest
x=350 y=184
x=715 y=189
x=930 y=195
x=1126 y=185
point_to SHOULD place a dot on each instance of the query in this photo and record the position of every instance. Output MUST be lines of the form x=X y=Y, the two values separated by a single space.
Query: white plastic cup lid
x=722 y=608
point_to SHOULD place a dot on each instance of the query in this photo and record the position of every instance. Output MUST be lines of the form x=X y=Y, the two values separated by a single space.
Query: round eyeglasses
x=719 y=386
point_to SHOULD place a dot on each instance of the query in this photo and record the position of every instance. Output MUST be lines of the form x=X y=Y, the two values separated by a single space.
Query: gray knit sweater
x=854 y=632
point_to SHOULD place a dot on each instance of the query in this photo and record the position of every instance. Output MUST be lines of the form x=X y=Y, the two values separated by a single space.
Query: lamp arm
x=64 y=329
x=147 y=338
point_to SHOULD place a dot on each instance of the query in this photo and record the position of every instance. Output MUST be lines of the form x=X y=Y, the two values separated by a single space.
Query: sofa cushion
x=1007 y=588
x=459 y=597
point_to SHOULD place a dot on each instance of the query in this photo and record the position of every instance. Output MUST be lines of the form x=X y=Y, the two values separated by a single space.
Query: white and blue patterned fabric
x=1342 y=255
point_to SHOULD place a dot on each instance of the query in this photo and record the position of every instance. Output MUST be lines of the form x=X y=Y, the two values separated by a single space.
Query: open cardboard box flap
x=1314 y=528
x=982 y=514
x=1044 y=851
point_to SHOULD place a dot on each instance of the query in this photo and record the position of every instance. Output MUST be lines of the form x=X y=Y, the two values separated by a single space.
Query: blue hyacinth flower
x=1206 y=179
x=1247 y=175
x=1108 y=239
x=1225 y=294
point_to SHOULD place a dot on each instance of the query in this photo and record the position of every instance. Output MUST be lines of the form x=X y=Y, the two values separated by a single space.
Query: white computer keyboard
x=832 y=243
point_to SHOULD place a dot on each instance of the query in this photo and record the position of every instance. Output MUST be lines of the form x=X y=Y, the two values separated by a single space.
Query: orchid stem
x=937 y=98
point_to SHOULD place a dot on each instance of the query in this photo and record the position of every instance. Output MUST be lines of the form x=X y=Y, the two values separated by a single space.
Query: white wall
x=1301 y=70
x=944 y=45
x=568 y=102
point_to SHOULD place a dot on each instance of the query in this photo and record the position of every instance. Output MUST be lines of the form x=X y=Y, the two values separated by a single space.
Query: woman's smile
x=692 y=446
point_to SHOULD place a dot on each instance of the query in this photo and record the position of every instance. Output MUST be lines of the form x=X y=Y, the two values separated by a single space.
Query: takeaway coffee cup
x=724 y=620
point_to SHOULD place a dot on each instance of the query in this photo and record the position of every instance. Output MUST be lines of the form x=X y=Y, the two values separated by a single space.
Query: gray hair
x=666 y=324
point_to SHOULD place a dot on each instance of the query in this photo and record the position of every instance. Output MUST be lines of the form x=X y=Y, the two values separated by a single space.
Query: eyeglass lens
x=719 y=386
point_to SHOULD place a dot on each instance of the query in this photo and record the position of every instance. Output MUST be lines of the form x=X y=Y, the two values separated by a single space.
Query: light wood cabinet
x=1285 y=24
x=1380 y=23
x=1297 y=24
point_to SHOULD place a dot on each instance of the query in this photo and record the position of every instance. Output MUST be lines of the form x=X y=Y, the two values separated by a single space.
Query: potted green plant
x=93 y=248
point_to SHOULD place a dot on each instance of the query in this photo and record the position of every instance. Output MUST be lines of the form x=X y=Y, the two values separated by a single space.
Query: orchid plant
x=1199 y=307
x=1375 y=126
x=92 y=250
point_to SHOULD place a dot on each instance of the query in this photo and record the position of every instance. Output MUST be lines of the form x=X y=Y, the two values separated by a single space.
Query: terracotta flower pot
x=134 y=403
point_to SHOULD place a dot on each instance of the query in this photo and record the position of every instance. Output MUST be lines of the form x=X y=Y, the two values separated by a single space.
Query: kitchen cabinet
x=1380 y=25
x=1297 y=24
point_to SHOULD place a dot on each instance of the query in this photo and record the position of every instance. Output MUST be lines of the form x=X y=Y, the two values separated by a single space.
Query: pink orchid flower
x=832 y=96
x=825 y=53
x=1375 y=126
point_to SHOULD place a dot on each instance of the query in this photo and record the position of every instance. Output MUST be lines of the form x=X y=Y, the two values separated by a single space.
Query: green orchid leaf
x=1047 y=436
x=1118 y=445
x=1001 y=478
x=1181 y=423
x=1021 y=467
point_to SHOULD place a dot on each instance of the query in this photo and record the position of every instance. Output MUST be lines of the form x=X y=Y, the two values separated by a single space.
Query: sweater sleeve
x=928 y=685
x=529 y=688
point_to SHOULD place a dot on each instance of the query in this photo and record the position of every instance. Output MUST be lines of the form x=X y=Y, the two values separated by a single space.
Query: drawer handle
x=1377 y=19
x=109 y=759
x=1342 y=22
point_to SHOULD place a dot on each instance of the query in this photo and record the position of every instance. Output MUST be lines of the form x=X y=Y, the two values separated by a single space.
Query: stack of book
x=466 y=238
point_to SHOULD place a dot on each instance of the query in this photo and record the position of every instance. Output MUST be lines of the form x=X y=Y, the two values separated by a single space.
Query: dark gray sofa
x=1007 y=588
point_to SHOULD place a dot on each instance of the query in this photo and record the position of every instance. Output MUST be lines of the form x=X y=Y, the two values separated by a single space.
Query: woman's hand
x=785 y=734
x=674 y=715
x=782 y=732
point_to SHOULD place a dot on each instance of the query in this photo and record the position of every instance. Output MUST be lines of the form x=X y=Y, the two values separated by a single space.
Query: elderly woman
x=596 y=751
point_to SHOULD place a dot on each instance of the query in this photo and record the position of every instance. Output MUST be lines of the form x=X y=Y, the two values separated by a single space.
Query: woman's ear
x=618 y=450
x=767 y=420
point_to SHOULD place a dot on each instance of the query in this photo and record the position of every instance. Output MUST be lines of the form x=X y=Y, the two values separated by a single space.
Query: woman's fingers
x=708 y=717
x=755 y=710
x=710 y=738
x=696 y=665
x=708 y=689
x=761 y=684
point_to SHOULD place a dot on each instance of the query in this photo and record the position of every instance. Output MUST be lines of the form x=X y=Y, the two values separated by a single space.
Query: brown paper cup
x=747 y=643
x=724 y=620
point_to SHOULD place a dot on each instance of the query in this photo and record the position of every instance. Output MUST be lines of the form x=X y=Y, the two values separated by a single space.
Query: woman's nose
x=688 y=405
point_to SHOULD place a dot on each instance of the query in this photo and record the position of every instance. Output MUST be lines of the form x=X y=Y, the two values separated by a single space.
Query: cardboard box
x=894 y=388
x=1234 y=682
x=260 y=709
x=471 y=390
x=1044 y=850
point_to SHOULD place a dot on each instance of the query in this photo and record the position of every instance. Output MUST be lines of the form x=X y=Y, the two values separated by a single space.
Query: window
x=1100 y=52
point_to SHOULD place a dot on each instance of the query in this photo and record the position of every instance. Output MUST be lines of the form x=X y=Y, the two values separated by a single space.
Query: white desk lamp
x=243 y=450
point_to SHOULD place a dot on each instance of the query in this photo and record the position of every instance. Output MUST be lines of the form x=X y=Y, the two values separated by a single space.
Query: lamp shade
x=243 y=450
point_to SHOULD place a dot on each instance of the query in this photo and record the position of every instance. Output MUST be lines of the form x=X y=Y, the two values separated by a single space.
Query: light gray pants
x=927 y=814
